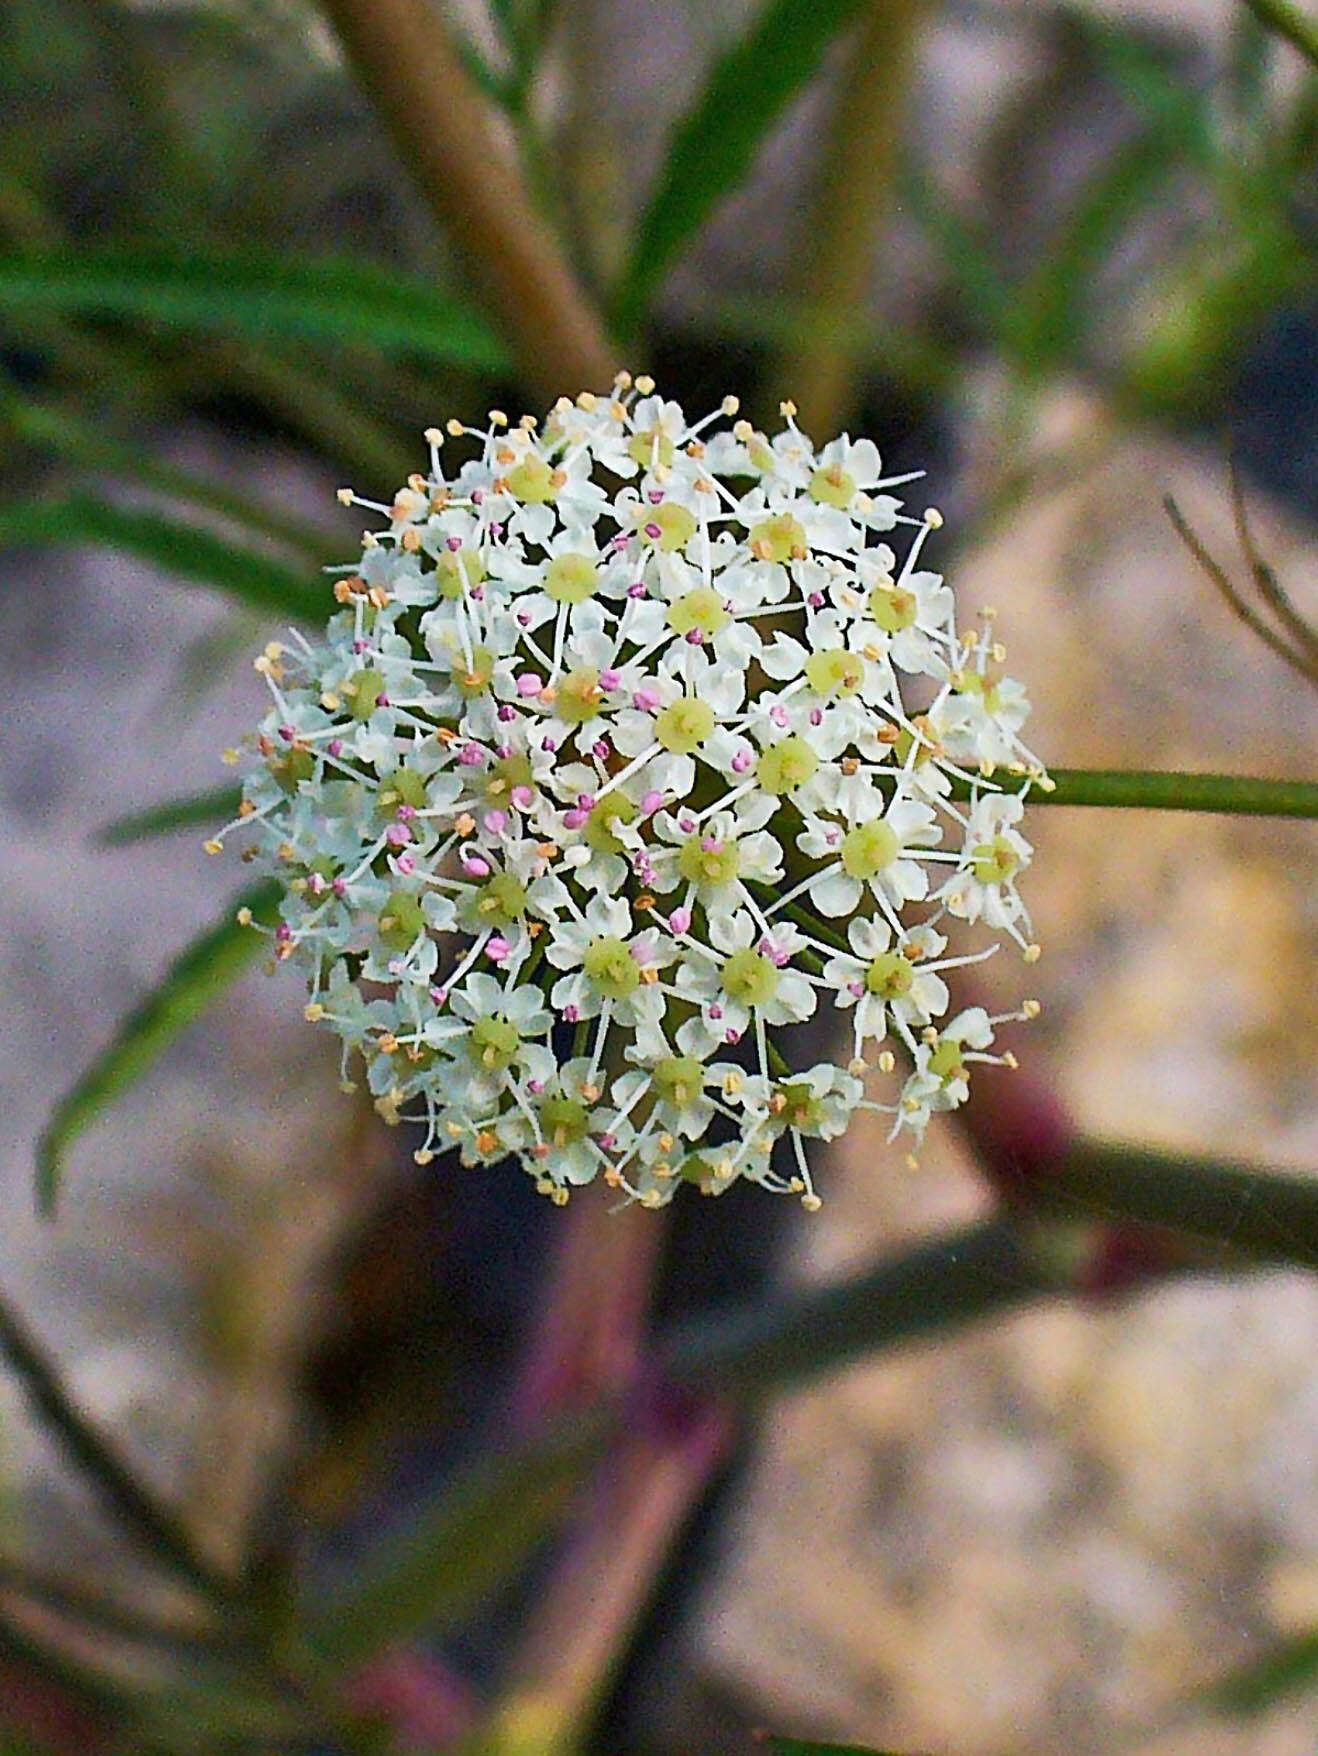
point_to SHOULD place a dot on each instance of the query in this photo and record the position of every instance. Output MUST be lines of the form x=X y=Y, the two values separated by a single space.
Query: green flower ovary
x=457 y=571
x=571 y=579
x=493 y=1043
x=835 y=672
x=993 y=862
x=612 y=809
x=678 y=1079
x=564 y=1120
x=781 y=538
x=786 y=765
x=986 y=687
x=532 y=480
x=289 y=770
x=801 y=1109
x=708 y=867
x=701 y=609
x=577 y=697
x=403 y=787
x=609 y=964
x=497 y=903
x=364 y=689
x=475 y=678
x=893 y=607
x=649 y=448
x=832 y=486
x=684 y=725
x=401 y=920
x=505 y=775
x=750 y=977
x=890 y=976
x=676 y=525
x=869 y=849
x=946 y=1062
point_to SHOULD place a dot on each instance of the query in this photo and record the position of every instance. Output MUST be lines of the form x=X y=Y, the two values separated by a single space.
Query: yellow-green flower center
x=403 y=787
x=493 y=1043
x=457 y=571
x=750 y=977
x=287 y=771
x=651 y=447
x=401 y=920
x=832 y=486
x=532 y=480
x=676 y=525
x=678 y=1079
x=801 y=1108
x=946 y=1062
x=890 y=976
x=788 y=764
x=475 y=678
x=506 y=774
x=612 y=809
x=869 y=848
x=699 y=609
x=571 y=579
x=578 y=695
x=364 y=690
x=780 y=538
x=564 y=1120
x=835 y=672
x=893 y=607
x=498 y=902
x=609 y=964
x=985 y=687
x=684 y=725
x=707 y=867
x=993 y=862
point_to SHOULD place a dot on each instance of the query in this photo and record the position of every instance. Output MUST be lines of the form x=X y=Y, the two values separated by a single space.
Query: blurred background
x=1060 y=257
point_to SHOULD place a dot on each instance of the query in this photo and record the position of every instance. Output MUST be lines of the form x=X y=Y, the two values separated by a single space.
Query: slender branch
x=978 y=1272
x=442 y=128
x=853 y=192
x=1151 y=790
x=1302 y=661
x=1270 y=588
x=153 y=1524
x=1248 y=1211
x=1290 y=22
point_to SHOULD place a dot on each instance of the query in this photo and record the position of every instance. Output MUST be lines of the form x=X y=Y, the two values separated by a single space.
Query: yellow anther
x=344 y=496
x=433 y=436
x=887 y=1061
x=498 y=418
x=645 y=384
x=933 y=518
x=811 y=1203
x=213 y=846
x=244 y=917
x=454 y=426
x=787 y=409
x=1031 y=1008
x=1033 y=953
x=313 y=1012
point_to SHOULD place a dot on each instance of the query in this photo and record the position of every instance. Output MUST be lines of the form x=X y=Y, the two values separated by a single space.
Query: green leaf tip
x=198 y=975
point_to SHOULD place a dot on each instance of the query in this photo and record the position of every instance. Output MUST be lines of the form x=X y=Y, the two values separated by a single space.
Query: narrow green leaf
x=455 y=1552
x=715 y=143
x=1286 y=1668
x=194 y=811
x=184 y=550
x=967 y=255
x=197 y=977
x=1181 y=114
x=1144 y=790
x=261 y=295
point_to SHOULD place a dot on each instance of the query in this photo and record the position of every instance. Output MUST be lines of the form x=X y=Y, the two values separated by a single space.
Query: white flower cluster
x=610 y=768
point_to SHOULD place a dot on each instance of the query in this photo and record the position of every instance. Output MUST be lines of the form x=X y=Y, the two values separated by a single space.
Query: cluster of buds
x=633 y=744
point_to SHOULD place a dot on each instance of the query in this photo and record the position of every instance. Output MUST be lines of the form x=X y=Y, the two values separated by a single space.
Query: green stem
x=157 y=1528
x=978 y=1272
x=1248 y=1211
x=1288 y=21
x=1138 y=789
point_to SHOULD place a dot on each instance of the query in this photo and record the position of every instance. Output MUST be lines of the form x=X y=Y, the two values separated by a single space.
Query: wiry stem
x=442 y=128
x=854 y=186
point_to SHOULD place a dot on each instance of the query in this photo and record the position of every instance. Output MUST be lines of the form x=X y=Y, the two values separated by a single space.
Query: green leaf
x=183 y=550
x=455 y=1552
x=1182 y=115
x=261 y=295
x=1145 y=790
x=192 y=812
x=1289 y=1666
x=715 y=143
x=967 y=254
x=208 y=966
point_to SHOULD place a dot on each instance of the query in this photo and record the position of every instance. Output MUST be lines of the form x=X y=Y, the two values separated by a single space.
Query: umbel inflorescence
x=631 y=746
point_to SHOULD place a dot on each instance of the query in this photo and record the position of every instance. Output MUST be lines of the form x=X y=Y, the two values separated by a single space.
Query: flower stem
x=442 y=129
x=1140 y=789
x=1290 y=22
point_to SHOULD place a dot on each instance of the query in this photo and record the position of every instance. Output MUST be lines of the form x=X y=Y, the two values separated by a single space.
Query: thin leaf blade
x=192 y=812
x=184 y=550
x=260 y=295
x=715 y=143
x=199 y=975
